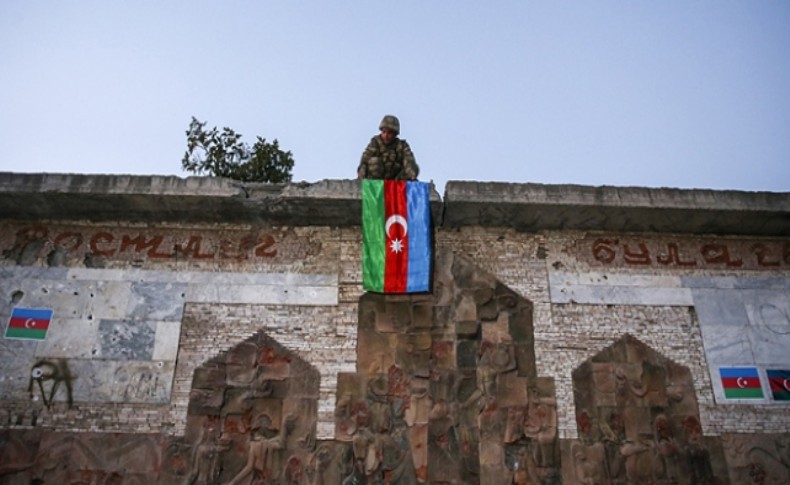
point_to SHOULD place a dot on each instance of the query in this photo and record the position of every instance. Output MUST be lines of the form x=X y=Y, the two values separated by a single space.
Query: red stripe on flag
x=779 y=384
x=32 y=323
x=740 y=382
x=396 y=228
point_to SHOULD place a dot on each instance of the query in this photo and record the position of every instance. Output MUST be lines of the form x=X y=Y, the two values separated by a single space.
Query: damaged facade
x=207 y=332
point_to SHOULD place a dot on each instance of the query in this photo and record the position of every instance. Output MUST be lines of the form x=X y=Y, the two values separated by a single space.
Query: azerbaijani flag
x=780 y=383
x=29 y=323
x=741 y=383
x=396 y=236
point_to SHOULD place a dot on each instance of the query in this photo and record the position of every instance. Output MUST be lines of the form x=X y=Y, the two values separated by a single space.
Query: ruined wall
x=224 y=352
x=670 y=290
x=123 y=298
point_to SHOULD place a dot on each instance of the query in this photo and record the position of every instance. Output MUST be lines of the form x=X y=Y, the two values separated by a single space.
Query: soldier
x=387 y=156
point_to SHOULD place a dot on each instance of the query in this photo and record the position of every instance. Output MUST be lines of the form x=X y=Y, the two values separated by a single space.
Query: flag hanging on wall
x=741 y=383
x=780 y=383
x=396 y=236
x=28 y=323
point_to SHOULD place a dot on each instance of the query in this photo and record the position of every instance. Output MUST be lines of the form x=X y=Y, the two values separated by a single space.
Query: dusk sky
x=688 y=94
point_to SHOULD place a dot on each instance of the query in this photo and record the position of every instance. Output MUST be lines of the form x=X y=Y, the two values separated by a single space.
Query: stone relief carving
x=638 y=419
x=758 y=459
x=445 y=392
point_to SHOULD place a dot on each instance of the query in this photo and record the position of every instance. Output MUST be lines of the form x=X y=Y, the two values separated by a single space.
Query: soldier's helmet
x=390 y=122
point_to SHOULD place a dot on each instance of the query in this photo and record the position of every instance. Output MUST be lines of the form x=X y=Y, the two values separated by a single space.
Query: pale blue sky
x=690 y=94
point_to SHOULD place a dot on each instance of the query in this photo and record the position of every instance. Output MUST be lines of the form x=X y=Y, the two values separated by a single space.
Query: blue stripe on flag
x=738 y=372
x=34 y=313
x=419 y=221
x=778 y=373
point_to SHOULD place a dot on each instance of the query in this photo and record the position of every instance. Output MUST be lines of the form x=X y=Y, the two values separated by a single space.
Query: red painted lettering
x=762 y=252
x=640 y=258
x=70 y=241
x=161 y=243
x=266 y=242
x=228 y=249
x=673 y=257
x=99 y=238
x=192 y=247
x=684 y=253
x=139 y=244
x=246 y=246
x=602 y=250
x=718 y=254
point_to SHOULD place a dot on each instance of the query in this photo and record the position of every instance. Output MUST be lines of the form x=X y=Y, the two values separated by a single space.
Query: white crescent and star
x=396 y=245
x=30 y=323
x=785 y=384
x=396 y=219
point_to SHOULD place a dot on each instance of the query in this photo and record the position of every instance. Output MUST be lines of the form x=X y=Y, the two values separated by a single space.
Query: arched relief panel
x=638 y=421
x=446 y=389
x=252 y=415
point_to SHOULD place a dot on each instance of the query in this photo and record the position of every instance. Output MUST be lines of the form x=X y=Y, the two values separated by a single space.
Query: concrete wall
x=151 y=277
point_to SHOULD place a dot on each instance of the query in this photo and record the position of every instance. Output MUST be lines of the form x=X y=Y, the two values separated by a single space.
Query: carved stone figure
x=645 y=434
x=265 y=449
x=206 y=455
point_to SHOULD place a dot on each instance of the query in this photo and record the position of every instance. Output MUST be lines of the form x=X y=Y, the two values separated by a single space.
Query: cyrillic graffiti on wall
x=684 y=253
x=163 y=243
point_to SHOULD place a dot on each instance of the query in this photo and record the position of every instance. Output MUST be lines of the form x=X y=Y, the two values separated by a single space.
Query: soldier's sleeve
x=410 y=167
x=370 y=150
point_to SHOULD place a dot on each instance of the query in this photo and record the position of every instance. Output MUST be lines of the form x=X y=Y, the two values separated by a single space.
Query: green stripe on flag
x=29 y=333
x=781 y=395
x=745 y=393
x=373 y=237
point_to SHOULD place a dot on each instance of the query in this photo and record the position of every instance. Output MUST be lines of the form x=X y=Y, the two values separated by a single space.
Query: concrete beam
x=192 y=199
x=536 y=207
x=523 y=207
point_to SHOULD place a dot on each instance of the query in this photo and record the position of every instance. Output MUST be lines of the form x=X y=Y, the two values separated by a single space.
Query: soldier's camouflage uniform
x=393 y=161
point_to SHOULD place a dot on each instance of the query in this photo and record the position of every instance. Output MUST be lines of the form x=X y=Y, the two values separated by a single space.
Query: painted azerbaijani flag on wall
x=29 y=323
x=780 y=383
x=396 y=236
x=741 y=383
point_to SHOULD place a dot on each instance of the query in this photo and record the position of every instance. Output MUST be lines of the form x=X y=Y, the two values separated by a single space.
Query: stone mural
x=251 y=417
x=763 y=460
x=638 y=422
x=445 y=391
